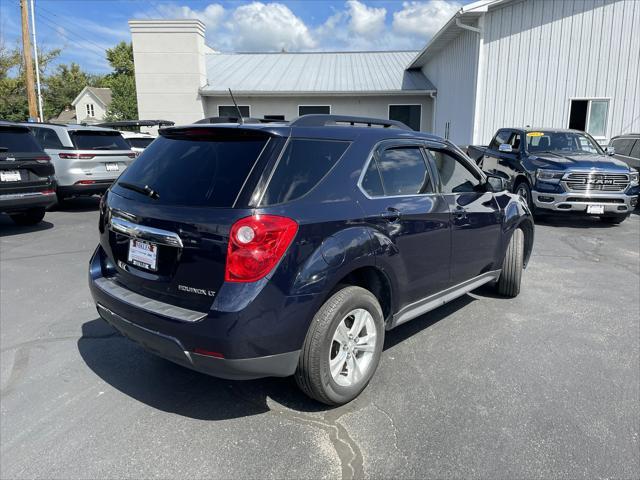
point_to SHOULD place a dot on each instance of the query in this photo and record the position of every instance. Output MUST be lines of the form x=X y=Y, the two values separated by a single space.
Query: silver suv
x=87 y=159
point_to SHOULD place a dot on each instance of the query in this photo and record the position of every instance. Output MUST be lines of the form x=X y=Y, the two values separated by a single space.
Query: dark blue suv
x=246 y=251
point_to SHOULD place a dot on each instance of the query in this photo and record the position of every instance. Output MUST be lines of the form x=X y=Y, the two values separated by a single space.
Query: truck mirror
x=505 y=148
x=610 y=150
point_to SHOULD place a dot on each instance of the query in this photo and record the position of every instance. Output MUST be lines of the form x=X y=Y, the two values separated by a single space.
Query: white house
x=91 y=104
x=495 y=63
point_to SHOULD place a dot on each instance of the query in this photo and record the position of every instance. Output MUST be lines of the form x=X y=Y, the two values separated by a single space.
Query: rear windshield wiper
x=146 y=190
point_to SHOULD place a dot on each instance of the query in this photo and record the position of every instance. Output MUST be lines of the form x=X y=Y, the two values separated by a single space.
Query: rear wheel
x=614 y=219
x=342 y=348
x=30 y=217
x=511 y=276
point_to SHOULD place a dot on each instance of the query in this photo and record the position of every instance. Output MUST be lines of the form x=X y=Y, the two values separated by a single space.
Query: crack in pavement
x=5 y=259
x=395 y=433
x=39 y=341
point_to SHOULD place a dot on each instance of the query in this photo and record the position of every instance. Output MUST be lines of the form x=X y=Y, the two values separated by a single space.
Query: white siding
x=368 y=106
x=453 y=72
x=81 y=109
x=539 y=54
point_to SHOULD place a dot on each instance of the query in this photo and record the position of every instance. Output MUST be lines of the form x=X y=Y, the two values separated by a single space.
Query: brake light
x=256 y=245
x=85 y=182
x=132 y=155
x=76 y=156
x=208 y=353
x=43 y=159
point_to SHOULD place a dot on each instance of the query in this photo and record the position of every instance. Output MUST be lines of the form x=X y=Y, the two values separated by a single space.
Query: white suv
x=87 y=159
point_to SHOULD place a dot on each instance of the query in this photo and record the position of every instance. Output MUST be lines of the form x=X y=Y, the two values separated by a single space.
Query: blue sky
x=83 y=29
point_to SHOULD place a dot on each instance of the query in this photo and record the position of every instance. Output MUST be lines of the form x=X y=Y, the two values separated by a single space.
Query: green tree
x=122 y=82
x=62 y=86
x=13 y=90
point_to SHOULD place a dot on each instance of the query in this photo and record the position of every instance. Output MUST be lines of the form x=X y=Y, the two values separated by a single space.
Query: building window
x=408 y=114
x=90 y=110
x=314 y=110
x=589 y=115
x=232 y=111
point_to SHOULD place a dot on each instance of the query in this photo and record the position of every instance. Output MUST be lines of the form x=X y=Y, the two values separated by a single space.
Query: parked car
x=137 y=141
x=246 y=251
x=627 y=149
x=27 y=182
x=560 y=171
x=87 y=159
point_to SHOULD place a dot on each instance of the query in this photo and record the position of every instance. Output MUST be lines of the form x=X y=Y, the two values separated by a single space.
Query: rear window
x=140 y=142
x=302 y=165
x=94 y=140
x=202 y=171
x=17 y=140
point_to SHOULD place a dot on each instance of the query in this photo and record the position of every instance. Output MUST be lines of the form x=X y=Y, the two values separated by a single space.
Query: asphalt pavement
x=546 y=385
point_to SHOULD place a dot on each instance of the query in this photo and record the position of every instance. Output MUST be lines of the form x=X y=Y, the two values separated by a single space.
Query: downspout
x=434 y=97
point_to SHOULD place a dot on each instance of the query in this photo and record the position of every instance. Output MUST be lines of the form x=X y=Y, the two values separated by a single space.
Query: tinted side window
x=635 y=151
x=404 y=171
x=371 y=182
x=501 y=137
x=455 y=177
x=48 y=138
x=623 y=146
x=302 y=165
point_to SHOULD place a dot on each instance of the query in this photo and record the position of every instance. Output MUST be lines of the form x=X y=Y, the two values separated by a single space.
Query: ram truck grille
x=596 y=181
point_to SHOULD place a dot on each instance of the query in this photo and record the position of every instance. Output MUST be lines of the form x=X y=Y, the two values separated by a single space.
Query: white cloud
x=423 y=19
x=211 y=15
x=365 y=21
x=268 y=26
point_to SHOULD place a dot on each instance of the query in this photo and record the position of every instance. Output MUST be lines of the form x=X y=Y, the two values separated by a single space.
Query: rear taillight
x=85 y=182
x=256 y=245
x=43 y=159
x=132 y=155
x=76 y=156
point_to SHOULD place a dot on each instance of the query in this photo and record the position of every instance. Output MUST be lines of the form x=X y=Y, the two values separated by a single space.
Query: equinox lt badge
x=199 y=291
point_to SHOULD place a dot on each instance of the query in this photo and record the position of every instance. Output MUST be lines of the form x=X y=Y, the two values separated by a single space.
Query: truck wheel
x=614 y=219
x=524 y=191
x=342 y=348
x=30 y=217
x=511 y=276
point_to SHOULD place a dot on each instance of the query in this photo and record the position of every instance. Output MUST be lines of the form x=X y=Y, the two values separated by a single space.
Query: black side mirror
x=496 y=183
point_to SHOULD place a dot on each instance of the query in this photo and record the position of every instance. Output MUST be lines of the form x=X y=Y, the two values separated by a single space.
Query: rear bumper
x=165 y=346
x=614 y=203
x=97 y=188
x=254 y=334
x=16 y=202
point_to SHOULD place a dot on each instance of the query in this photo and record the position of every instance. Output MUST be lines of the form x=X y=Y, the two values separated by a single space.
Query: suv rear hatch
x=24 y=167
x=101 y=153
x=166 y=221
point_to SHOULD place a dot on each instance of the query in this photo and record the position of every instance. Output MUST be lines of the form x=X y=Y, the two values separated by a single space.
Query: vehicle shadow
x=166 y=386
x=78 y=204
x=571 y=221
x=8 y=228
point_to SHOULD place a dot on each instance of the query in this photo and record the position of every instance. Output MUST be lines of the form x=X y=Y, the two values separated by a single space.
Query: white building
x=91 y=104
x=496 y=63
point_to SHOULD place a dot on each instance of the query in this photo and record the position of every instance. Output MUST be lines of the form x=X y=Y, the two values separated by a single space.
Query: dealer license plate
x=595 y=209
x=112 y=167
x=143 y=254
x=10 y=176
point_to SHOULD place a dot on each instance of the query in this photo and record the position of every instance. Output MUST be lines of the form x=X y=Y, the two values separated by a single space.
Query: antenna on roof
x=240 y=119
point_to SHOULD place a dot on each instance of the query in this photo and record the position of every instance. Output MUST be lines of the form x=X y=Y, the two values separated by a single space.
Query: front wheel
x=614 y=219
x=342 y=348
x=524 y=191
x=30 y=217
x=511 y=276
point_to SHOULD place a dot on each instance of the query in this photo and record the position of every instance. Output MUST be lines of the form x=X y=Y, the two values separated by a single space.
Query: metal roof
x=314 y=73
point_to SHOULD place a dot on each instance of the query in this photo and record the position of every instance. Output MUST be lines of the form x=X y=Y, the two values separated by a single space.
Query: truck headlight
x=633 y=178
x=551 y=176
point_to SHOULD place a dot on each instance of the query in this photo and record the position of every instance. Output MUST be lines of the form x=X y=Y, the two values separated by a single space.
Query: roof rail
x=319 y=120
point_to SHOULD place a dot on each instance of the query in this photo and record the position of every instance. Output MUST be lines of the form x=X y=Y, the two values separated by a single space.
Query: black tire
x=313 y=375
x=511 y=276
x=523 y=189
x=30 y=217
x=614 y=219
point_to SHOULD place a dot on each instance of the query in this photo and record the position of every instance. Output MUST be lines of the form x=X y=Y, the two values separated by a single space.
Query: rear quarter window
x=198 y=171
x=303 y=164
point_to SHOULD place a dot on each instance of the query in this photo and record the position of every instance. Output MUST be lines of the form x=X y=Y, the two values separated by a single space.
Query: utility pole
x=35 y=56
x=28 y=63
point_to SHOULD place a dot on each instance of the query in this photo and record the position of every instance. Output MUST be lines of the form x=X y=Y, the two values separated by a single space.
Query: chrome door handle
x=391 y=214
